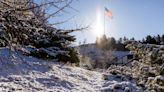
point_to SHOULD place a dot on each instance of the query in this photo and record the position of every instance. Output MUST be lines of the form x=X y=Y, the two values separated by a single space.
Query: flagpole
x=104 y=21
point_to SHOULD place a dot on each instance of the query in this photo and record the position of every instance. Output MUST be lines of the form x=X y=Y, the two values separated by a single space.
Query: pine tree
x=158 y=39
x=162 y=39
x=120 y=40
x=112 y=43
x=20 y=29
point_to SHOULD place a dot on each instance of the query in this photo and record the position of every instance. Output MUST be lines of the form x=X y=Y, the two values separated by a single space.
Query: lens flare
x=98 y=26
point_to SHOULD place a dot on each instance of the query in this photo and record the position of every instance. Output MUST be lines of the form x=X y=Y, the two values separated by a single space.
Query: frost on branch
x=20 y=27
x=150 y=67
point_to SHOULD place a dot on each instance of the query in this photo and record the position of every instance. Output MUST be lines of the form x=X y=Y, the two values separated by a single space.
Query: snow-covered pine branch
x=20 y=28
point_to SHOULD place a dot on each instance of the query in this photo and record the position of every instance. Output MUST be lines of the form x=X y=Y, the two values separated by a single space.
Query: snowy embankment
x=27 y=74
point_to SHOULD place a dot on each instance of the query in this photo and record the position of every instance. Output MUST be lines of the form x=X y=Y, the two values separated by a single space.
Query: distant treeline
x=158 y=39
x=111 y=43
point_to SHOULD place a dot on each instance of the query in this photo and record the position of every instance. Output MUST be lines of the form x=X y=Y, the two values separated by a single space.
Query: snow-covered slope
x=27 y=74
x=91 y=51
x=95 y=53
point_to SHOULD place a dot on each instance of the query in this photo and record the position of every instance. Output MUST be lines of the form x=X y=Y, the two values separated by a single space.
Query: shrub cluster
x=149 y=69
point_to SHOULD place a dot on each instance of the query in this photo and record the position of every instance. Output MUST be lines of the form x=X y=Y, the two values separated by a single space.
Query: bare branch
x=61 y=22
x=62 y=8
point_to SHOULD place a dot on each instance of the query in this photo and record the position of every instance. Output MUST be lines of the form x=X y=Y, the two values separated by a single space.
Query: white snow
x=28 y=74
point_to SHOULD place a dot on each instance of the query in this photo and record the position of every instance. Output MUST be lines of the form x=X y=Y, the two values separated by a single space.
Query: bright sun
x=98 y=26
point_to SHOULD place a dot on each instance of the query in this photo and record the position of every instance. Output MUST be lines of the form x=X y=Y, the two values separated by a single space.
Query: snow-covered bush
x=86 y=62
x=20 y=27
x=120 y=70
x=120 y=79
x=149 y=67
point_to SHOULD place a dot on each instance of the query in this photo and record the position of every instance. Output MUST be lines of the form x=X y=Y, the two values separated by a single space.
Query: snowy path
x=83 y=80
x=58 y=78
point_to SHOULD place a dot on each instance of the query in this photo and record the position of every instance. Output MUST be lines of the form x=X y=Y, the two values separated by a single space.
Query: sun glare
x=98 y=26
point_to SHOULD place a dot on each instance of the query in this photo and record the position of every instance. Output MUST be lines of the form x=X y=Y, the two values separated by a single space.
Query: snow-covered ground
x=27 y=74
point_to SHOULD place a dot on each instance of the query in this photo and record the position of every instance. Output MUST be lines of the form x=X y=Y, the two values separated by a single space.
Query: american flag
x=108 y=13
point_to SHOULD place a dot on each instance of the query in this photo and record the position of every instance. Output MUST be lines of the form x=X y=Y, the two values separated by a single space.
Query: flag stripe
x=108 y=13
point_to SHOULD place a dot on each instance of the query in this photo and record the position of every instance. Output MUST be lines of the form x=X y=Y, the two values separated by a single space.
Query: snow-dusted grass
x=30 y=74
x=27 y=74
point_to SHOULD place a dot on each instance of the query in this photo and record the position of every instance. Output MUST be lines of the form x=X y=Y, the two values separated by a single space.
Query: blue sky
x=132 y=18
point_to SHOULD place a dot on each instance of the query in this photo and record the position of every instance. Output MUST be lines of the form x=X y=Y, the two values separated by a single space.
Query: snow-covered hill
x=95 y=54
x=27 y=74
